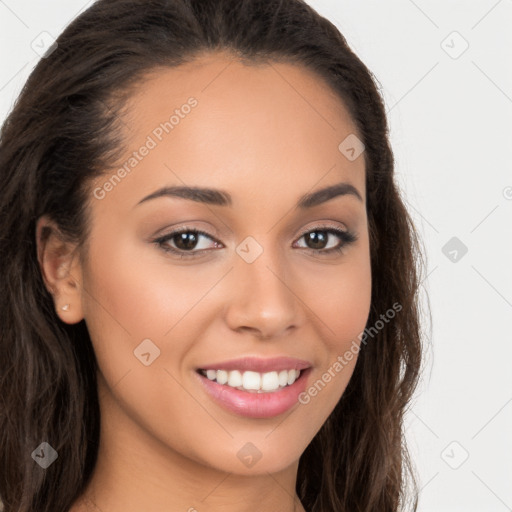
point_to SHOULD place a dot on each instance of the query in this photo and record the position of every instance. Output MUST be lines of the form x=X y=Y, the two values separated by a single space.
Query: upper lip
x=257 y=364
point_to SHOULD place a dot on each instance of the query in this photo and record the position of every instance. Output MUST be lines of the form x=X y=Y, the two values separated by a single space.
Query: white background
x=450 y=129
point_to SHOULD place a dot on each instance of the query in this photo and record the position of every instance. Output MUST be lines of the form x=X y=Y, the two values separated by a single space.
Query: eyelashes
x=162 y=242
x=182 y=236
x=345 y=238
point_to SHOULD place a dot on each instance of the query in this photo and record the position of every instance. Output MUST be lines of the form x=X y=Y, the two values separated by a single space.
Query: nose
x=263 y=302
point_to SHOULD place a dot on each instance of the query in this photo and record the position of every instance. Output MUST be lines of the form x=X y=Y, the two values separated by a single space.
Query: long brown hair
x=64 y=131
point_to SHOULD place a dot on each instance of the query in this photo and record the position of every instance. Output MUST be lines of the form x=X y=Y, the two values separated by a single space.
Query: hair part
x=65 y=131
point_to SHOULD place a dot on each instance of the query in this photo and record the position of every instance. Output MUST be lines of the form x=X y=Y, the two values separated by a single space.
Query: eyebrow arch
x=222 y=198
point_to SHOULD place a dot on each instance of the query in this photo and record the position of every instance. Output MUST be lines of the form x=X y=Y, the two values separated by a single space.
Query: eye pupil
x=317 y=237
x=186 y=240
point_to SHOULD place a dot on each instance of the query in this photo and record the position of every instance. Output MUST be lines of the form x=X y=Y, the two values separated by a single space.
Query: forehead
x=222 y=77
x=218 y=122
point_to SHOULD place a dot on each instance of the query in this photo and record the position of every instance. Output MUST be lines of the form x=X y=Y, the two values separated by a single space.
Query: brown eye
x=185 y=241
x=318 y=239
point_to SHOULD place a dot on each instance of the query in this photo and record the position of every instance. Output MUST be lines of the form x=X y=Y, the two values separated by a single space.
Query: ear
x=60 y=269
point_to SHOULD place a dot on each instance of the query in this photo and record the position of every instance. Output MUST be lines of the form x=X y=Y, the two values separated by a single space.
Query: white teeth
x=283 y=378
x=251 y=380
x=234 y=379
x=270 y=381
x=254 y=381
x=222 y=376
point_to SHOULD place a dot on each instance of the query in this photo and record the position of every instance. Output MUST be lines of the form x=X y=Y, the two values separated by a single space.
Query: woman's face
x=264 y=281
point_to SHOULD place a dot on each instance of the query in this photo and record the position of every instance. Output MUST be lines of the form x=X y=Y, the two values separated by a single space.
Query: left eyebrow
x=223 y=198
x=325 y=194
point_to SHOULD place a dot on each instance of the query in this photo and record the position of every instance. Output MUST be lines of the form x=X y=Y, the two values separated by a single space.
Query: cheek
x=343 y=310
x=345 y=302
x=133 y=289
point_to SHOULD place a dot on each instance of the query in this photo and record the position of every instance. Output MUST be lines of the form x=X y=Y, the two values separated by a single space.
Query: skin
x=267 y=134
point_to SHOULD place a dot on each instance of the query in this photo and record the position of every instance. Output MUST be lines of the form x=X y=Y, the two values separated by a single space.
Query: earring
x=65 y=307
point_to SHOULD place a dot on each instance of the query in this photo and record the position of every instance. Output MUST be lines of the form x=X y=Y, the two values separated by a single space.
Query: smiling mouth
x=253 y=382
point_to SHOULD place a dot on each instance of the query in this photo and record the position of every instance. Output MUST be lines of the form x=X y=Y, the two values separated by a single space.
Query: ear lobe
x=60 y=270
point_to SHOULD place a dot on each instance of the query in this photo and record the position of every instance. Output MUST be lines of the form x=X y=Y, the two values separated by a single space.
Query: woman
x=210 y=280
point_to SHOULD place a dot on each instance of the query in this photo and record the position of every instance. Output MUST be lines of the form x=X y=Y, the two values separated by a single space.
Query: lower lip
x=256 y=405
